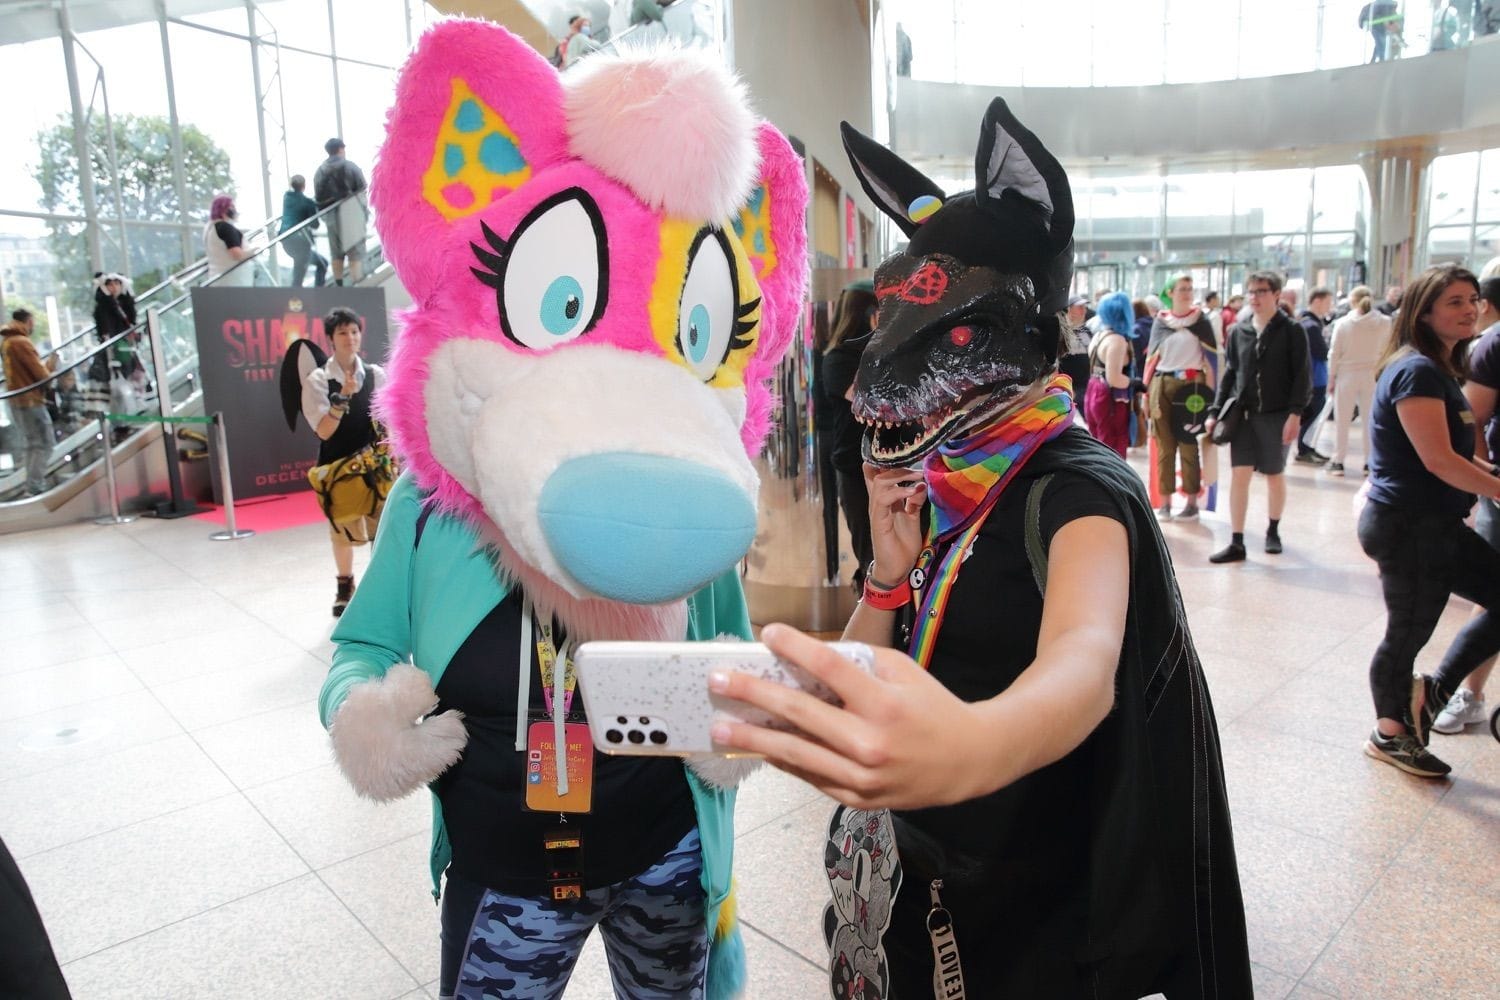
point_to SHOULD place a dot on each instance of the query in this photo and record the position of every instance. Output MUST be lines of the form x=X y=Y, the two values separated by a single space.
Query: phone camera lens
x=658 y=737
x=636 y=736
x=645 y=721
x=622 y=720
x=613 y=735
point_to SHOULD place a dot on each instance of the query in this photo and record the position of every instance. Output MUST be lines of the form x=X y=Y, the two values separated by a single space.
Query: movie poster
x=243 y=334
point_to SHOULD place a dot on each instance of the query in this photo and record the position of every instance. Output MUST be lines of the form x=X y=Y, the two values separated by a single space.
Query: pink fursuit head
x=570 y=244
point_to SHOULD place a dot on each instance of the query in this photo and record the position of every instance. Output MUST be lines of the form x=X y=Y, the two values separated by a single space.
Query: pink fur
x=784 y=289
x=505 y=73
x=433 y=257
x=623 y=112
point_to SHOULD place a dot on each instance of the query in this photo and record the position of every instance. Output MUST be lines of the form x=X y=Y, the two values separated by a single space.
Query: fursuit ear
x=477 y=112
x=302 y=356
x=891 y=182
x=1011 y=158
x=772 y=226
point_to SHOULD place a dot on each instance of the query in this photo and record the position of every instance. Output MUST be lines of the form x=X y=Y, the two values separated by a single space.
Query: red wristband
x=888 y=600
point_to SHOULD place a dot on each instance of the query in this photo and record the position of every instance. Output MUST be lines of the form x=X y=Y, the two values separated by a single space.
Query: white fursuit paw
x=719 y=771
x=383 y=744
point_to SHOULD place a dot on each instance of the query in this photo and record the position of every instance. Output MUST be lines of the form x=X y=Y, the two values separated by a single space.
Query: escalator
x=75 y=469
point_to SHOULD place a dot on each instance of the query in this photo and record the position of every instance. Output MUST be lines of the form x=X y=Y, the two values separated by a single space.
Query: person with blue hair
x=1107 y=406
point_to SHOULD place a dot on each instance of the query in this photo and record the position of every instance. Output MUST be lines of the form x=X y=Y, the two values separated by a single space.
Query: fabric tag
x=541 y=769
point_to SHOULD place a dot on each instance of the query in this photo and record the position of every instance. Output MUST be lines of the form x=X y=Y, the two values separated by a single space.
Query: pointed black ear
x=302 y=356
x=891 y=182
x=1010 y=158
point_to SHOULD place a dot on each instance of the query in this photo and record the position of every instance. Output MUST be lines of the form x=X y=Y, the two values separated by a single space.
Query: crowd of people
x=339 y=205
x=1419 y=365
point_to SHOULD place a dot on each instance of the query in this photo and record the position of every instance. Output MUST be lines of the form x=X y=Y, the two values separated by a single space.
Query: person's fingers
x=854 y=685
x=818 y=765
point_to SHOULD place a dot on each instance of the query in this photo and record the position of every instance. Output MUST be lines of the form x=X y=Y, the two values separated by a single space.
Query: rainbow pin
x=923 y=208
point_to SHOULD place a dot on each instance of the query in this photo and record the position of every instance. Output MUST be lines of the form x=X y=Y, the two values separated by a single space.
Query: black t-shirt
x=1032 y=836
x=642 y=806
x=1397 y=475
x=1484 y=369
x=229 y=233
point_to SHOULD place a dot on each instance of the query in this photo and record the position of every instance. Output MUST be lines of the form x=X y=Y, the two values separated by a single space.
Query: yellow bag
x=355 y=486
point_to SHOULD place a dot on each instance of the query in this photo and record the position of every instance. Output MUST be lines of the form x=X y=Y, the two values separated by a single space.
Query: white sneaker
x=1463 y=709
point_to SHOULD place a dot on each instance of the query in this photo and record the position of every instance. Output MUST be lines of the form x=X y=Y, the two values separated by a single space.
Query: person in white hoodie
x=1358 y=340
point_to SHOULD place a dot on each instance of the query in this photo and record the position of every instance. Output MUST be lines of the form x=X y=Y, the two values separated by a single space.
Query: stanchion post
x=178 y=504
x=114 y=516
x=231 y=533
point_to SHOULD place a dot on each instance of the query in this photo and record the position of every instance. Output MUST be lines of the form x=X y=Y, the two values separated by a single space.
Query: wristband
x=888 y=599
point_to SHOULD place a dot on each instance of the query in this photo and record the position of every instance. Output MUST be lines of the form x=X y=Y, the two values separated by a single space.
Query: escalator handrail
x=178 y=277
x=140 y=326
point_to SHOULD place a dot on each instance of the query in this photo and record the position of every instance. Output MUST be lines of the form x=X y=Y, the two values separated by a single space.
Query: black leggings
x=1424 y=558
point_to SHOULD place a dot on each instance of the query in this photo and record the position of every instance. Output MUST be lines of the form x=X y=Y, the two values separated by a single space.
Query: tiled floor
x=167 y=790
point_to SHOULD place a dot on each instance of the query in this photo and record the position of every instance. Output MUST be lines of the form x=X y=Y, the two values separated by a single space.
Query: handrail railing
x=140 y=326
x=178 y=278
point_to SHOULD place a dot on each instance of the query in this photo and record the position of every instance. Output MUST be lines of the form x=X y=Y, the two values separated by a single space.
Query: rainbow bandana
x=964 y=480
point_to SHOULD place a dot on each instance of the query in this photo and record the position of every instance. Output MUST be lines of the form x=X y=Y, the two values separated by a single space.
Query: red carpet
x=272 y=513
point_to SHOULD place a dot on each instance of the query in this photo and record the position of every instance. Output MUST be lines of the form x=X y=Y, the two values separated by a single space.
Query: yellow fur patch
x=476 y=158
x=677 y=237
x=728 y=912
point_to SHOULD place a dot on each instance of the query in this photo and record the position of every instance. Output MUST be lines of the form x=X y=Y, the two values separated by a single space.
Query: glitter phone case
x=652 y=698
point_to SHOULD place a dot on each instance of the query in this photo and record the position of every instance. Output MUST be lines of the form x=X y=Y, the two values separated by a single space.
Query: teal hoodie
x=420 y=603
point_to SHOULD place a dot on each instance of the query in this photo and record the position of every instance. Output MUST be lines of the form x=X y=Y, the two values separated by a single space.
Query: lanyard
x=558 y=693
x=933 y=605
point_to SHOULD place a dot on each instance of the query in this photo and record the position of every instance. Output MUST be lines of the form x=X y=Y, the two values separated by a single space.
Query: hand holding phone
x=652 y=698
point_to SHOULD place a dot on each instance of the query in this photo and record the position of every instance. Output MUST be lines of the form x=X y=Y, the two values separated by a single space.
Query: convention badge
x=562 y=847
x=541 y=769
x=546 y=658
x=947 y=970
x=864 y=874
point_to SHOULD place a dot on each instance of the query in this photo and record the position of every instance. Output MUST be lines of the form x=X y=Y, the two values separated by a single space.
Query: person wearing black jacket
x=839 y=434
x=1268 y=376
x=114 y=313
x=1314 y=322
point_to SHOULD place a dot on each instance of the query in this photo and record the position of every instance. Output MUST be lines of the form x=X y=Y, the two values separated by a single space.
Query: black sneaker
x=1188 y=513
x=342 y=596
x=1273 y=545
x=1426 y=703
x=1406 y=753
x=1310 y=458
x=1335 y=468
x=1233 y=552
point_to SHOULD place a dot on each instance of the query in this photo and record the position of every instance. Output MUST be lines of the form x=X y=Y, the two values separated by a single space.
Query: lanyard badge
x=559 y=754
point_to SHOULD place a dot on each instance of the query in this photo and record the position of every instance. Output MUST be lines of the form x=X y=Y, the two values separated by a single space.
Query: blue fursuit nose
x=644 y=529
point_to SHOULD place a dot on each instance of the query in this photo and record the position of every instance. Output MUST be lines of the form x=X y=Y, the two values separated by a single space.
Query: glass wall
x=1109 y=43
x=1463 y=209
x=326 y=67
x=1136 y=232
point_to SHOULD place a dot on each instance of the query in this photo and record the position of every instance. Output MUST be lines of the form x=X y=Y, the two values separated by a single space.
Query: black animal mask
x=969 y=311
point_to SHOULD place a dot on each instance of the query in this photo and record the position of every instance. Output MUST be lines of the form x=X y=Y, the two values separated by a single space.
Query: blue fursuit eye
x=699 y=333
x=561 y=305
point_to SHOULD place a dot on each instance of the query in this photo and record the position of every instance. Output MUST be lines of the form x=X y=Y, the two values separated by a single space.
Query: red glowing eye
x=961 y=335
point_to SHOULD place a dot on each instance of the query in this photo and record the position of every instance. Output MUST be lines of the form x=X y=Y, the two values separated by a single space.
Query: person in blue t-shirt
x=1423 y=481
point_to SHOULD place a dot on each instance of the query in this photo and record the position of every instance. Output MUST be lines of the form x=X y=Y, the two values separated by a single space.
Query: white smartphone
x=652 y=698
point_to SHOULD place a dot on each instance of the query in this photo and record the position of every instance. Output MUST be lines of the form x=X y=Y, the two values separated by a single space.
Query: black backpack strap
x=427 y=508
x=1036 y=552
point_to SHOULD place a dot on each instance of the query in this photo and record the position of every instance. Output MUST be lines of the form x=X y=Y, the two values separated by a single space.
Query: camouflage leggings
x=655 y=935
